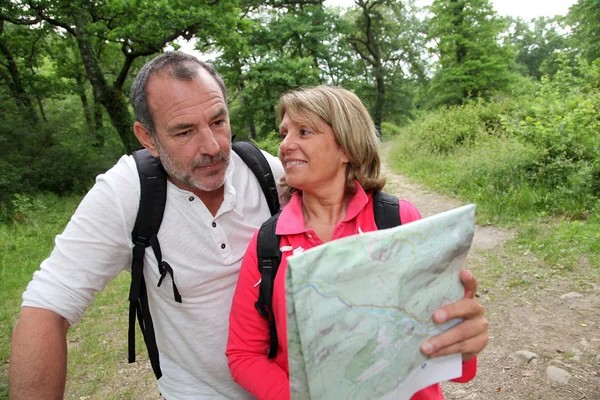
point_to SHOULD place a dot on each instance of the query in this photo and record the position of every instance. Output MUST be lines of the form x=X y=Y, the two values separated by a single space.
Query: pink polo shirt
x=248 y=342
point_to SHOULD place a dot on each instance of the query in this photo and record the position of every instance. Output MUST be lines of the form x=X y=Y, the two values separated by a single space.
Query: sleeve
x=248 y=341
x=94 y=247
x=469 y=371
x=408 y=212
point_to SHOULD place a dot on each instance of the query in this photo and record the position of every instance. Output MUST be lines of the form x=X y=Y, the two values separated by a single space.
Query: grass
x=490 y=174
x=98 y=343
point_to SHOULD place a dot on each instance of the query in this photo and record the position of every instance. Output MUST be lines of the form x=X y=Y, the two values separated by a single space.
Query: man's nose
x=207 y=143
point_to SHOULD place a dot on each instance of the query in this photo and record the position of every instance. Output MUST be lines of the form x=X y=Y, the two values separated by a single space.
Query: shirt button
x=191 y=198
x=214 y=224
x=223 y=246
x=308 y=235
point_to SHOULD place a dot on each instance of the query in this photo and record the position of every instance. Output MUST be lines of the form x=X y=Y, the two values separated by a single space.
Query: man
x=214 y=206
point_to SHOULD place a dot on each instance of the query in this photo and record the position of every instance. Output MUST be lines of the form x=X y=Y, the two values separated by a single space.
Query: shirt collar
x=291 y=219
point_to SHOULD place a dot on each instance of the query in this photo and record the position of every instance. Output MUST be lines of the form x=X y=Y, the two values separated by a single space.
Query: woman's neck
x=322 y=213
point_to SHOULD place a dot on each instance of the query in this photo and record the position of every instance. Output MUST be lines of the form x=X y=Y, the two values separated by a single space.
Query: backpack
x=387 y=215
x=153 y=197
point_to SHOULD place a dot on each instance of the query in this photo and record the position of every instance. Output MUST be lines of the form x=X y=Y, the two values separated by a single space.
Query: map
x=360 y=307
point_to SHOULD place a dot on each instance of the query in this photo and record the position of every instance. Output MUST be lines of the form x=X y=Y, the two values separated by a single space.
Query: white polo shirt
x=204 y=251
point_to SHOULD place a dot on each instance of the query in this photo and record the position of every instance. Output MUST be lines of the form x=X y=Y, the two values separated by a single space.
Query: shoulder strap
x=258 y=164
x=386 y=209
x=153 y=197
x=269 y=257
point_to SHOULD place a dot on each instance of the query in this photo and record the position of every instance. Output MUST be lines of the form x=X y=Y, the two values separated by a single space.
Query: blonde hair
x=352 y=127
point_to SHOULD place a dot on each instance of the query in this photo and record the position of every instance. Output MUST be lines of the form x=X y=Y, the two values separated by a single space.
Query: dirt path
x=540 y=334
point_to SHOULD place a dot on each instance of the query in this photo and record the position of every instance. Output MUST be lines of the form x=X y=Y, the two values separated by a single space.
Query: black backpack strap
x=386 y=209
x=269 y=257
x=258 y=164
x=153 y=197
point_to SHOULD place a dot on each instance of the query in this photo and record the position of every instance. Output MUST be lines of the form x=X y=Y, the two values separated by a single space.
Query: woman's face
x=311 y=157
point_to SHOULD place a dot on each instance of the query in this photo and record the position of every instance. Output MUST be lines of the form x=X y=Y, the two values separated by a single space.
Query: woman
x=329 y=149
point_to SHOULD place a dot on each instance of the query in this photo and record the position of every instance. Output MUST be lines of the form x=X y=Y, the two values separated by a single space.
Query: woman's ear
x=145 y=138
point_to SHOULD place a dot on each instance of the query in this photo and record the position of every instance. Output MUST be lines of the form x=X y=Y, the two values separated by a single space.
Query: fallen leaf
x=583 y=324
x=498 y=389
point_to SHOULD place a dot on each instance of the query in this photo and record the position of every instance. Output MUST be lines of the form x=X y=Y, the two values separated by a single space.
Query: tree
x=388 y=40
x=584 y=18
x=472 y=63
x=536 y=44
x=276 y=47
x=139 y=29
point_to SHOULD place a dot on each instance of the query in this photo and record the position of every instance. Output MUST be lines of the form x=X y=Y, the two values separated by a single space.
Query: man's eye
x=183 y=134
x=219 y=122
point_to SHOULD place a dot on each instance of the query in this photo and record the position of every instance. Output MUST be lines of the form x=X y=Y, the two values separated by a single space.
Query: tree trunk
x=41 y=108
x=380 y=98
x=13 y=81
x=112 y=99
x=85 y=105
x=250 y=126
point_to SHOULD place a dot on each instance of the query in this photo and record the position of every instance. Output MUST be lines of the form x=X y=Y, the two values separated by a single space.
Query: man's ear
x=145 y=138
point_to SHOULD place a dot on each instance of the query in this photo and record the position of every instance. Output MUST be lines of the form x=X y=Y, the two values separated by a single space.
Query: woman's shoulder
x=408 y=211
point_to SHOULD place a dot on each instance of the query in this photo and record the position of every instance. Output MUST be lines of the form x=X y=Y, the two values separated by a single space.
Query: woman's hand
x=468 y=337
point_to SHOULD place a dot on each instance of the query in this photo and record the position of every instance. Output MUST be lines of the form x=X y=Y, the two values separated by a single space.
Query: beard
x=185 y=175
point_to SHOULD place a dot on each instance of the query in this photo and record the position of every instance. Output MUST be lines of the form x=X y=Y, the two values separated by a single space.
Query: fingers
x=465 y=308
x=468 y=337
x=469 y=282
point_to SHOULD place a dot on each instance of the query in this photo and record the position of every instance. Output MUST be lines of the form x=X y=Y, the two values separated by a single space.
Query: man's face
x=192 y=130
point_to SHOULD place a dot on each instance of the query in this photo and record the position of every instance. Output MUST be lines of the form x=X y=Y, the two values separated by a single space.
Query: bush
x=445 y=130
x=270 y=144
x=389 y=131
x=537 y=154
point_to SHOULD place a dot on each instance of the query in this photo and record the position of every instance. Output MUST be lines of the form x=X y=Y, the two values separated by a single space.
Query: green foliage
x=516 y=159
x=564 y=121
x=537 y=45
x=389 y=130
x=448 y=128
x=58 y=156
x=472 y=63
x=583 y=18
x=270 y=143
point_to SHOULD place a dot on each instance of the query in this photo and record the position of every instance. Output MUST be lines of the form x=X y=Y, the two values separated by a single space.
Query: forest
x=456 y=67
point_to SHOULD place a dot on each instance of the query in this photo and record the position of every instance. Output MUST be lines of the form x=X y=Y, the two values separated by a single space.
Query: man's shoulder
x=120 y=184
x=123 y=172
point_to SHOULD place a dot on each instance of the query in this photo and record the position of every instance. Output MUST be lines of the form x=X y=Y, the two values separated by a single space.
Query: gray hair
x=179 y=66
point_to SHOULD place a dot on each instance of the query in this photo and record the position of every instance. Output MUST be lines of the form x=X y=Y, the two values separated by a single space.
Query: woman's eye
x=304 y=132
